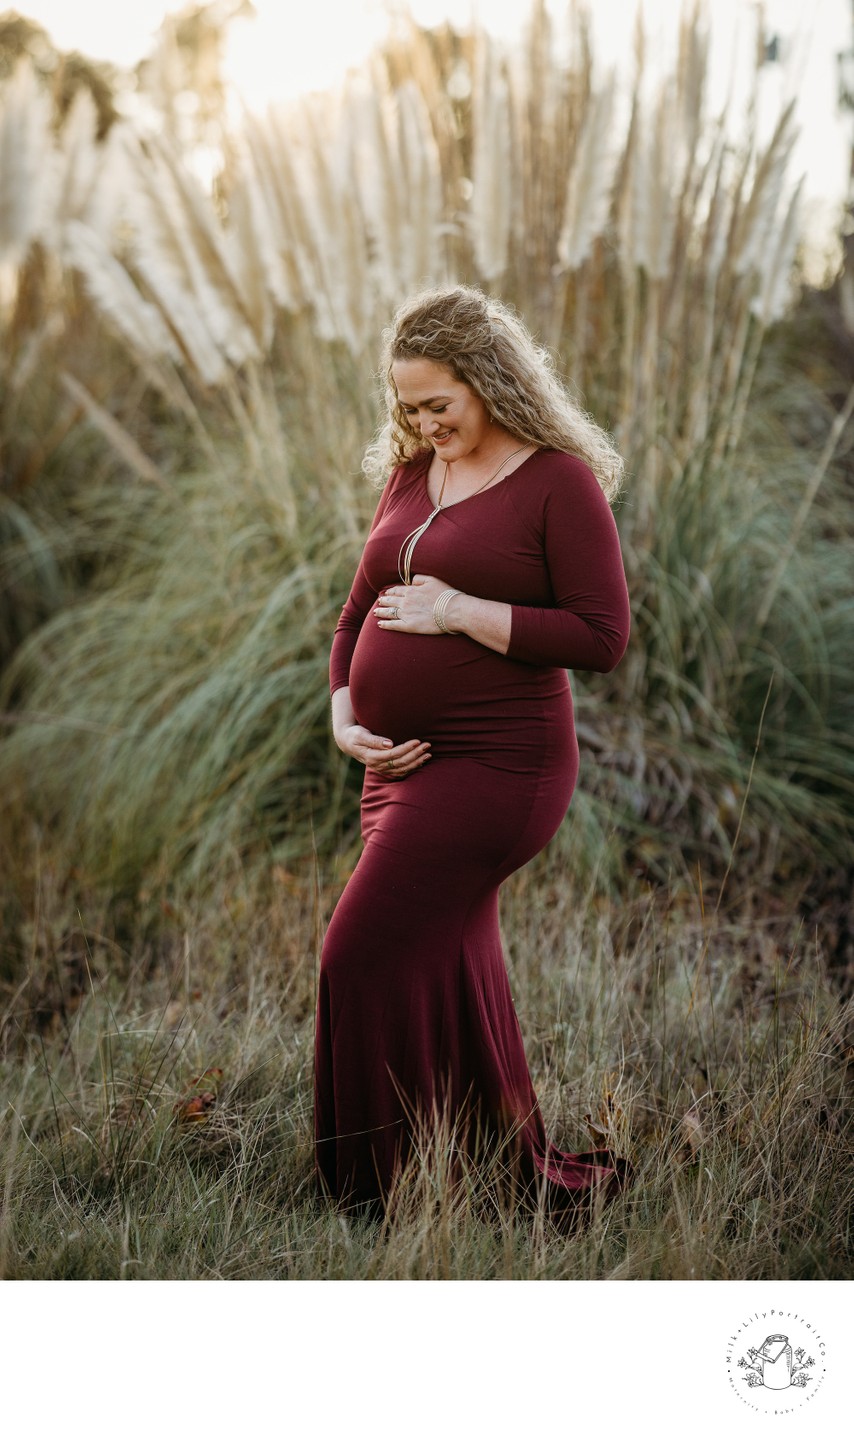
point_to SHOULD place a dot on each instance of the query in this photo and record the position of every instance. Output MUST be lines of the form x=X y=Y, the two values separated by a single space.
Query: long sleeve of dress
x=588 y=627
x=359 y=601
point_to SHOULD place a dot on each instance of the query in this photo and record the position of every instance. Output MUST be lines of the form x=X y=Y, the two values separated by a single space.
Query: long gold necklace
x=404 y=560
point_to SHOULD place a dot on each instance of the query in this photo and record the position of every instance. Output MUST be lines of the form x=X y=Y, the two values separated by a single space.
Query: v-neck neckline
x=477 y=494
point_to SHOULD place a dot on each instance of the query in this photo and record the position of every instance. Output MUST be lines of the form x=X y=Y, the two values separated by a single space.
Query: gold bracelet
x=439 y=608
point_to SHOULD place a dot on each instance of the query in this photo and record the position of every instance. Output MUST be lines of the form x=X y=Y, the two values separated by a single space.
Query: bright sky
x=299 y=45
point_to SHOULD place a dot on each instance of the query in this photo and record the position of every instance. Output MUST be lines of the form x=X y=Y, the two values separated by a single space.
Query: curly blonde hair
x=485 y=346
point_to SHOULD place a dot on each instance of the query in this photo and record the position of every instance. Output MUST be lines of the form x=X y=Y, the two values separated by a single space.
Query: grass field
x=710 y=1047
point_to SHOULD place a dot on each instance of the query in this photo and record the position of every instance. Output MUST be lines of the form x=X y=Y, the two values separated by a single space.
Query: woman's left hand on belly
x=408 y=608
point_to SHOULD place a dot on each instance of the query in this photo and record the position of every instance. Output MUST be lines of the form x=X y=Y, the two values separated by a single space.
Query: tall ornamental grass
x=213 y=740
x=168 y=606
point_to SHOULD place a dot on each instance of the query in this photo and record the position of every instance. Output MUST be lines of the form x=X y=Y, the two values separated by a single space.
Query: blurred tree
x=20 y=38
x=63 y=72
x=184 y=73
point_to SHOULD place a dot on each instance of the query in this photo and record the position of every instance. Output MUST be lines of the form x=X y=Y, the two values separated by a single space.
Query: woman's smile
x=426 y=391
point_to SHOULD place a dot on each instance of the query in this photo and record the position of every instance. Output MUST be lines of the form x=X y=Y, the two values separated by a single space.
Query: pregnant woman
x=492 y=566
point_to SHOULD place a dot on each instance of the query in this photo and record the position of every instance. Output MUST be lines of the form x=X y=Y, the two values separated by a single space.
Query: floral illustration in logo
x=774 y=1365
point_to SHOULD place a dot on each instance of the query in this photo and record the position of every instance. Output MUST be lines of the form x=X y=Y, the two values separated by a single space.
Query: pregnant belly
x=459 y=695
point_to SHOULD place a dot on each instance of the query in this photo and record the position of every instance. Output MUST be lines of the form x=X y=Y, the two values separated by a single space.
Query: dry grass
x=710 y=1050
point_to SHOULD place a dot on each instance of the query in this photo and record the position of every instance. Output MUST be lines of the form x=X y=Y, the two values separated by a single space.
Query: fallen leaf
x=195 y=1109
x=597 y=1133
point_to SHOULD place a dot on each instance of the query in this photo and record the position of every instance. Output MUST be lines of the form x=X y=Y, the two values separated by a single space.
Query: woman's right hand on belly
x=389 y=760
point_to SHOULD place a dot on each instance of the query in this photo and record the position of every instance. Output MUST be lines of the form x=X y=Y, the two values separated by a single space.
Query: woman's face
x=448 y=414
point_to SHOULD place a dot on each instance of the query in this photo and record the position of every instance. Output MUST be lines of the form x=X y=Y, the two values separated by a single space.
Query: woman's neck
x=480 y=467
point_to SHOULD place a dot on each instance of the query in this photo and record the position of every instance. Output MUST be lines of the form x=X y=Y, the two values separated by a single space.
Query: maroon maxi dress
x=414 y=1003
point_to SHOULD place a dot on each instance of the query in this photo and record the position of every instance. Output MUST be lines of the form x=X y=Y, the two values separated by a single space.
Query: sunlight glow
x=101 y=29
x=273 y=58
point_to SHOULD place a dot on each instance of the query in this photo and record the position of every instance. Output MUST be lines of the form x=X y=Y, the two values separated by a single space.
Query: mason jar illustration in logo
x=781 y=1364
x=775 y=1361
